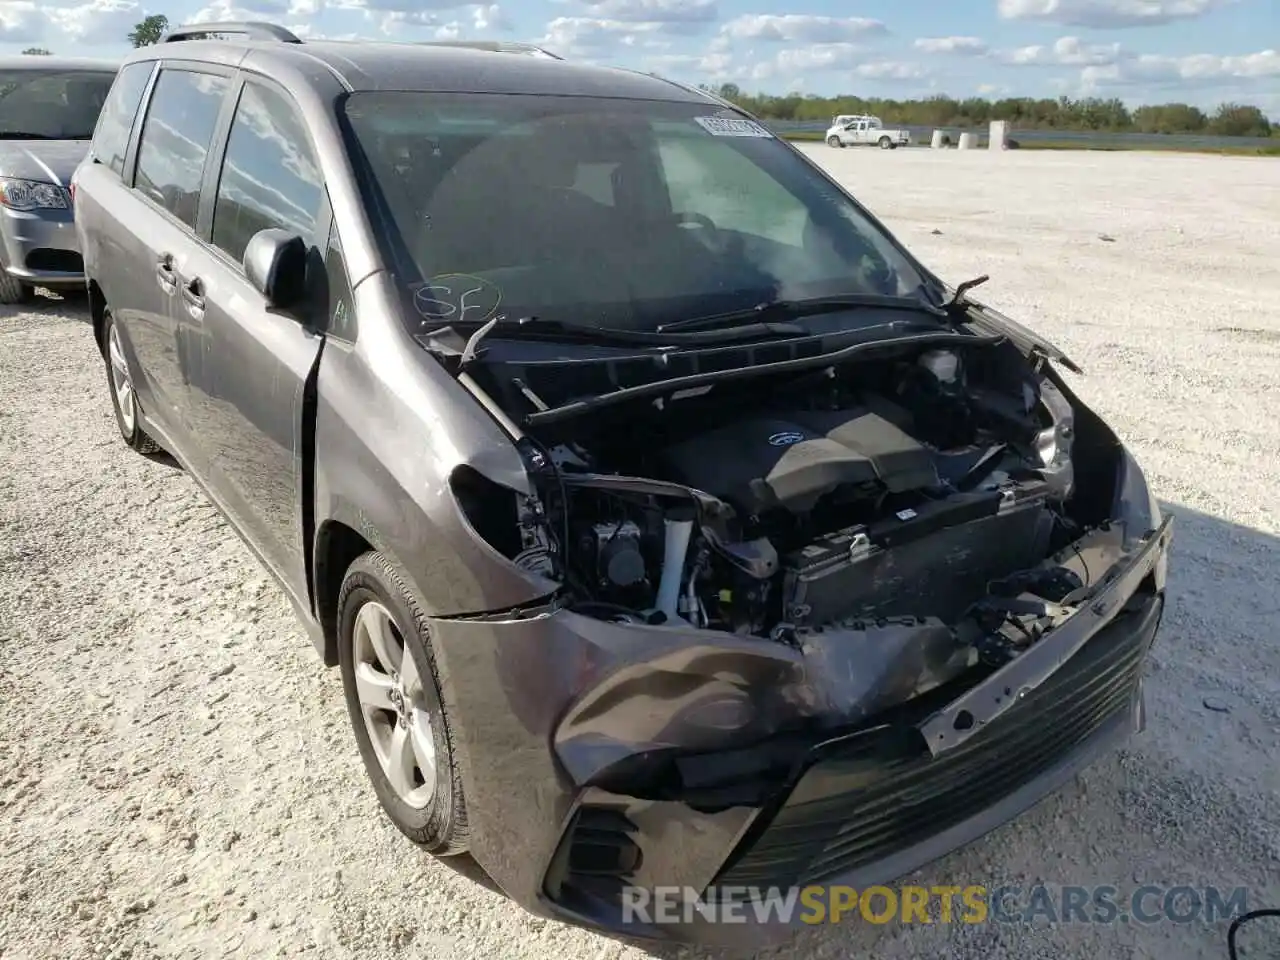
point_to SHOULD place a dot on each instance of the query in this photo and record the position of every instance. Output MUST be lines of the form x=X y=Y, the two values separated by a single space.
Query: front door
x=247 y=366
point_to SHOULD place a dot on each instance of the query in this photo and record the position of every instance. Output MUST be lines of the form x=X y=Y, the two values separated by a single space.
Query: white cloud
x=969 y=46
x=489 y=16
x=20 y=22
x=1066 y=51
x=817 y=56
x=654 y=11
x=802 y=28
x=24 y=22
x=572 y=34
x=890 y=70
x=1102 y=14
x=1202 y=69
x=224 y=10
x=716 y=65
x=629 y=23
x=485 y=18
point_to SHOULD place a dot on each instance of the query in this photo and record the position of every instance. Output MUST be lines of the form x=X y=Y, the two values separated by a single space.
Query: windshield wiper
x=961 y=298
x=538 y=328
x=795 y=309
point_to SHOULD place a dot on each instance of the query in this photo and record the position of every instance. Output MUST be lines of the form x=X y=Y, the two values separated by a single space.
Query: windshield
x=620 y=213
x=52 y=104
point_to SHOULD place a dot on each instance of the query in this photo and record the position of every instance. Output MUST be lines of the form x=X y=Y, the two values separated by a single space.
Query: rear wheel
x=13 y=290
x=886 y=143
x=123 y=397
x=393 y=699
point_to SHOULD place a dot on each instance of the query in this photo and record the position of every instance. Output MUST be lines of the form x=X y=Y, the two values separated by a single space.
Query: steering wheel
x=870 y=263
x=695 y=221
x=703 y=228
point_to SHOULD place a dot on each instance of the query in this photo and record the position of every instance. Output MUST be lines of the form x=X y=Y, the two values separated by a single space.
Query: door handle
x=193 y=294
x=166 y=276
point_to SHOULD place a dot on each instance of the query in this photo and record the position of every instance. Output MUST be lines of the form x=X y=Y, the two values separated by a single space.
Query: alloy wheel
x=121 y=382
x=389 y=686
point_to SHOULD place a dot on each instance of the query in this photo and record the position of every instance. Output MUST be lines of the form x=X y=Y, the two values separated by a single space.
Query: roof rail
x=496 y=46
x=250 y=29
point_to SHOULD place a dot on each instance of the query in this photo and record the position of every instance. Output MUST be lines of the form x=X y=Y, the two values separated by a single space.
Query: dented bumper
x=599 y=755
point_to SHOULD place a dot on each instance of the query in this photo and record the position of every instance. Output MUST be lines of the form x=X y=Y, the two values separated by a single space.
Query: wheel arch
x=336 y=547
x=98 y=313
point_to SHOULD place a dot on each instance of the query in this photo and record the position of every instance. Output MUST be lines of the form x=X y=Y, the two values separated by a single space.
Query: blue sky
x=1200 y=51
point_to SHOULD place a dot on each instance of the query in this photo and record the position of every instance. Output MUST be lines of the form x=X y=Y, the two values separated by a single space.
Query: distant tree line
x=1026 y=113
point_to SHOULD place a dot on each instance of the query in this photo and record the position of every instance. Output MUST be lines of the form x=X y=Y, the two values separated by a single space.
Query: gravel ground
x=176 y=774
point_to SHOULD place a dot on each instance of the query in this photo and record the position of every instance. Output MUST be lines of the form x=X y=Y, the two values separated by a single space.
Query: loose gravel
x=177 y=778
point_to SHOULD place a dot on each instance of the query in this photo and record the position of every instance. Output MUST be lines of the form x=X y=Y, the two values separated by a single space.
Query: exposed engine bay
x=931 y=487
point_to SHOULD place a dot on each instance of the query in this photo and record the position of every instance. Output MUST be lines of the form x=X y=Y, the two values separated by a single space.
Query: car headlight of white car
x=31 y=195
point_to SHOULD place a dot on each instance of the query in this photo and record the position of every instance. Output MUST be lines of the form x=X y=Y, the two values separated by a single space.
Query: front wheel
x=834 y=142
x=393 y=699
x=13 y=290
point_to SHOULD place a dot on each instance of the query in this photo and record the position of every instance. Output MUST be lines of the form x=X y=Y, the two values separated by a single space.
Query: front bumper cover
x=735 y=771
x=40 y=247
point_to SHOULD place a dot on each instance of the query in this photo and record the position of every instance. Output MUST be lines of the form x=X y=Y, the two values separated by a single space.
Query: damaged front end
x=825 y=625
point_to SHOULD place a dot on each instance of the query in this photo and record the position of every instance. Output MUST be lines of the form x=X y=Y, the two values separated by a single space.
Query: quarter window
x=111 y=141
x=342 y=312
x=270 y=178
x=175 y=139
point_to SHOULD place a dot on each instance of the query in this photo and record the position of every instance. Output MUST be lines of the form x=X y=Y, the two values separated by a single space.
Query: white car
x=848 y=131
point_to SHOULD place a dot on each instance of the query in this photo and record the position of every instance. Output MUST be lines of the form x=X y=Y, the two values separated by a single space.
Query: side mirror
x=275 y=261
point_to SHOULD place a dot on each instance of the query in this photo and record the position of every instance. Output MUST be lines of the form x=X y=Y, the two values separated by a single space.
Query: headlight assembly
x=31 y=195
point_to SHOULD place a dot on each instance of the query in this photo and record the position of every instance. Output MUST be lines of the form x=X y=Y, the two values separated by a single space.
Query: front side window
x=111 y=140
x=270 y=177
x=175 y=139
x=620 y=213
x=52 y=104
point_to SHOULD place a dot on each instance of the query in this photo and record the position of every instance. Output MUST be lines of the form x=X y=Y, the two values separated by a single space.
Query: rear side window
x=270 y=177
x=175 y=139
x=111 y=140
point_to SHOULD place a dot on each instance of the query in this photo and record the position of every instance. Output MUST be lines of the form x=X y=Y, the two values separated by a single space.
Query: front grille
x=884 y=793
x=47 y=259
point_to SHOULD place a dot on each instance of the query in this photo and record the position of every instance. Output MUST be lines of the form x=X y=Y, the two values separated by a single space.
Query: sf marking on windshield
x=459 y=297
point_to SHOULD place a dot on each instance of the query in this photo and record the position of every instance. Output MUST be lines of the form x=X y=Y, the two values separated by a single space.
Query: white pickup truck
x=849 y=131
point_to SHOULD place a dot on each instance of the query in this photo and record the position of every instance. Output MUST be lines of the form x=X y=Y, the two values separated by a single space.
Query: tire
x=124 y=399
x=834 y=142
x=886 y=143
x=379 y=620
x=13 y=290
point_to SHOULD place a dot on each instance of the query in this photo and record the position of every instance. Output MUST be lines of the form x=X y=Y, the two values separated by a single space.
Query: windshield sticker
x=457 y=298
x=731 y=127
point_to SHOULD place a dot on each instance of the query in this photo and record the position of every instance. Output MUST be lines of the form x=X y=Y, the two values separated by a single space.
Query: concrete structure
x=937 y=143
x=968 y=141
x=999 y=137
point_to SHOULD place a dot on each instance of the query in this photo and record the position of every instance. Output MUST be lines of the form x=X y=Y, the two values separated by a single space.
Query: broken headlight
x=1135 y=506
